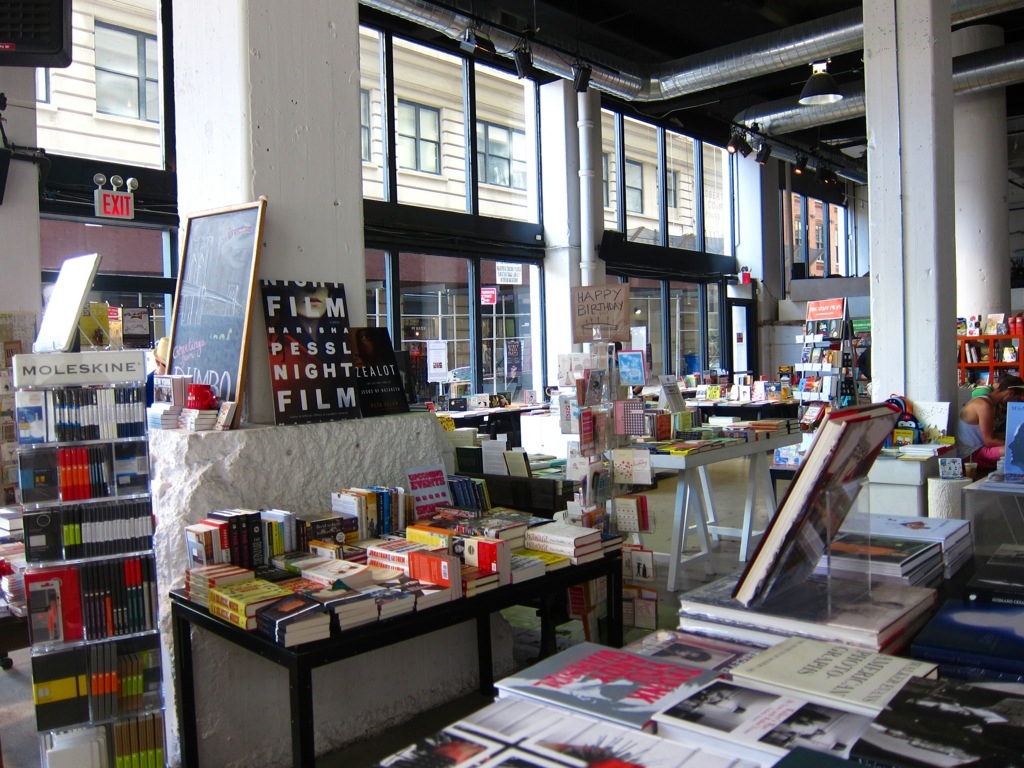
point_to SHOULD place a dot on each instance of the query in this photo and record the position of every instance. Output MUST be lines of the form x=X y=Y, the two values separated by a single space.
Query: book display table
x=694 y=489
x=300 y=661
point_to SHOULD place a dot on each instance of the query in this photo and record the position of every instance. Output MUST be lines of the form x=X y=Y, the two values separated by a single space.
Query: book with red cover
x=54 y=605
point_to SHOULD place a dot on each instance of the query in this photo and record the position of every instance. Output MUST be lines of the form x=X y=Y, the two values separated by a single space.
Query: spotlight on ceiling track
x=475 y=42
x=763 y=153
x=801 y=164
x=738 y=143
x=581 y=72
x=820 y=87
x=523 y=59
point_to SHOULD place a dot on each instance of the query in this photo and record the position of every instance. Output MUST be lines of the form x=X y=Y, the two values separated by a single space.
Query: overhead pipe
x=972 y=72
x=776 y=51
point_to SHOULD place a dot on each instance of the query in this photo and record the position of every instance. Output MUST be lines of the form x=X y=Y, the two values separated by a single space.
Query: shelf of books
x=83 y=471
x=828 y=360
x=984 y=359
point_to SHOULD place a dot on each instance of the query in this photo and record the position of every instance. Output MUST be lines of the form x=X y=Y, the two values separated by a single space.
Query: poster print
x=311 y=365
x=379 y=387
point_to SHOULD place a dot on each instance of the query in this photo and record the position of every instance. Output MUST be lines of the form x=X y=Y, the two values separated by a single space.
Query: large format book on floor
x=758 y=725
x=965 y=634
x=852 y=678
x=946 y=723
x=607 y=683
x=882 y=619
x=1000 y=579
x=817 y=501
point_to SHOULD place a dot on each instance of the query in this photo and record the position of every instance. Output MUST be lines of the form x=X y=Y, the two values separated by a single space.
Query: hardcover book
x=876 y=620
x=852 y=678
x=758 y=724
x=379 y=385
x=311 y=371
x=986 y=636
x=817 y=501
x=948 y=723
x=692 y=650
x=607 y=683
x=1000 y=579
x=448 y=747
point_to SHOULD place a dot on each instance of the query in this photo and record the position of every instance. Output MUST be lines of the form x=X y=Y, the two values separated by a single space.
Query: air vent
x=35 y=33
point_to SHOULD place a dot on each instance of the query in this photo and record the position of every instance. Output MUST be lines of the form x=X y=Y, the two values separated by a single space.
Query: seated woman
x=976 y=436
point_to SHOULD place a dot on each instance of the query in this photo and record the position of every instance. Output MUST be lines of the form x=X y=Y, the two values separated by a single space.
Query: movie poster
x=378 y=380
x=311 y=366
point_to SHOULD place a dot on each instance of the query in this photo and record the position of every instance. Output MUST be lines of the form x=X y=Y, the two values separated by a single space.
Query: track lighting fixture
x=801 y=164
x=475 y=42
x=820 y=87
x=763 y=153
x=739 y=143
x=523 y=59
x=826 y=176
x=580 y=76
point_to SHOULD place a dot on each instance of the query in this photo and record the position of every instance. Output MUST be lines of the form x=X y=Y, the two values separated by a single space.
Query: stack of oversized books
x=880 y=619
x=882 y=559
x=169 y=395
x=953 y=536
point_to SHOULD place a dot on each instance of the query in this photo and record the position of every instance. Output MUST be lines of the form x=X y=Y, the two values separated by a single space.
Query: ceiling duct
x=972 y=72
x=791 y=47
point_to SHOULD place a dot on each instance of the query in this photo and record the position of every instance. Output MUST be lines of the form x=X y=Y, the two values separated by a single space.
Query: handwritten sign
x=216 y=284
x=600 y=312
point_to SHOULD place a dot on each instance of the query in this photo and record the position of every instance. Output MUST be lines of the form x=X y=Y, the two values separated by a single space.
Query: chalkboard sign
x=215 y=291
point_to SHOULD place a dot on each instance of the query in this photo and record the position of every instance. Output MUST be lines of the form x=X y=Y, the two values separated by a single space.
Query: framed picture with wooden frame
x=213 y=298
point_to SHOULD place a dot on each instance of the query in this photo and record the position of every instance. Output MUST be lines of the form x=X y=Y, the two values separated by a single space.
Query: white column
x=560 y=161
x=21 y=288
x=908 y=79
x=982 y=231
x=268 y=104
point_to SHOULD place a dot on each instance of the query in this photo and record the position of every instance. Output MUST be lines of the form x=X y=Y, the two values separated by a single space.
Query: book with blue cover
x=967 y=634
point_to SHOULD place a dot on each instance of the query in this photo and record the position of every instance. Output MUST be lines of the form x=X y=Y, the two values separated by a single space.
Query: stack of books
x=883 y=559
x=526 y=567
x=579 y=544
x=390 y=602
x=328 y=571
x=425 y=594
x=294 y=620
x=437 y=567
x=880 y=620
x=476 y=580
x=351 y=607
x=552 y=561
x=953 y=536
x=169 y=395
x=237 y=603
x=195 y=420
x=199 y=581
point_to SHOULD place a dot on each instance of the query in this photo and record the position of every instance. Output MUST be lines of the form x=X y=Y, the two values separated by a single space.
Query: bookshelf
x=84 y=488
x=983 y=359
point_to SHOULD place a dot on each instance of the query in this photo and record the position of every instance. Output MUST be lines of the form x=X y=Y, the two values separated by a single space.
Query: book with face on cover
x=606 y=683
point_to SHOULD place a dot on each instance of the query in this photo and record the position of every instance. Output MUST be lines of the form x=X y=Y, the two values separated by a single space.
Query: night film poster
x=311 y=366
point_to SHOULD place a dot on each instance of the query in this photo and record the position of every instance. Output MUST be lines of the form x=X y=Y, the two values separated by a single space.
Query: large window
x=43 y=85
x=127 y=74
x=682 y=213
x=501 y=156
x=419 y=137
x=641 y=172
x=819 y=236
x=717 y=201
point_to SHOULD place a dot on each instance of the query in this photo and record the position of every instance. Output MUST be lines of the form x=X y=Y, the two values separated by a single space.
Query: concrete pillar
x=268 y=104
x=979 y=170
x=908 y=79
x=560 y=161
x=21 y=288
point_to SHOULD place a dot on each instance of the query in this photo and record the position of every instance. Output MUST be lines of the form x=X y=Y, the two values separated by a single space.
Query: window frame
x=364 y=125
x=141 y=74
x=639 y=166
x=418 y=110
x=484 y=154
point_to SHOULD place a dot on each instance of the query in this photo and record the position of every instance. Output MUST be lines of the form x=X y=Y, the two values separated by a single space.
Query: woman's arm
x=987 y=423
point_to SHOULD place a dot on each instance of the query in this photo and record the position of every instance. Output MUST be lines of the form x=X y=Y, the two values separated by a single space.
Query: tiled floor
x=728 y=482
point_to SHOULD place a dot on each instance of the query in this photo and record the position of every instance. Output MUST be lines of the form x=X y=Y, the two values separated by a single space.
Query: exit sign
x=114 y=205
